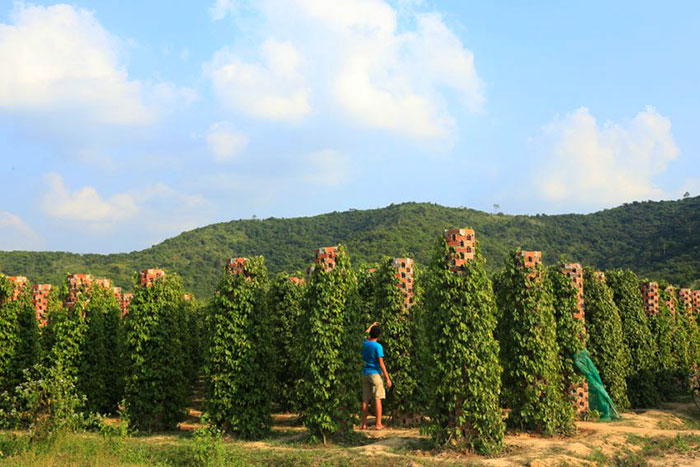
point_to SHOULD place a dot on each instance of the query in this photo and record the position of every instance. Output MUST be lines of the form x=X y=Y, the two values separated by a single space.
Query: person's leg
x=378 y=409
x=365 y=413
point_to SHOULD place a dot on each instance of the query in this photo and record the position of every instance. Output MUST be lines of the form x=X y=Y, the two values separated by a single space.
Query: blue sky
x=123 y=123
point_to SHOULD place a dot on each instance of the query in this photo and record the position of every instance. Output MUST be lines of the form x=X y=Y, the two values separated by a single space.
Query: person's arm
x=386 y=373
x=370 y=327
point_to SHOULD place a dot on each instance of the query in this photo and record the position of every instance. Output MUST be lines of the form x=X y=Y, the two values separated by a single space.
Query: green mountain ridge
x=659 y=240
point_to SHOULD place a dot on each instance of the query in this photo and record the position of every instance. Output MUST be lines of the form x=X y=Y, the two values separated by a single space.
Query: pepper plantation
x=471 y=356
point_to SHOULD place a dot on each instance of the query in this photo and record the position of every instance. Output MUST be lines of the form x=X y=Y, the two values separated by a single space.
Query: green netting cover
x=598 y=397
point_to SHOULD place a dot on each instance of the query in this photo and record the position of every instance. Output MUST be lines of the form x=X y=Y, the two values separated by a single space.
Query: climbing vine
x=641 y=380
x=533 y=386
x=156 y=389
x=330 y=333
x=463 y=375
x=240 y=354
x=664 y=331
x=606 y=340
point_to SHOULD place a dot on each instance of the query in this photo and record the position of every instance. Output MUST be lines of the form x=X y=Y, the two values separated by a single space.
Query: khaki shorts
x=372 y=387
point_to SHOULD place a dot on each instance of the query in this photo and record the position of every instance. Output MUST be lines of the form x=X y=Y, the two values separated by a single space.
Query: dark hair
x=375 y=332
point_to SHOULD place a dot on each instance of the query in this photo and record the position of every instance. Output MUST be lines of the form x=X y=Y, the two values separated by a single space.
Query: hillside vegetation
x=659 y=240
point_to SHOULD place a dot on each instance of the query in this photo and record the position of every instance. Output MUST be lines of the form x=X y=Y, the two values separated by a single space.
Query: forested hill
x=655 y=239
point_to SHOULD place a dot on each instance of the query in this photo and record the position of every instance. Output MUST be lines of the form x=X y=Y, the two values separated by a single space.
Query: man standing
x=372 y=384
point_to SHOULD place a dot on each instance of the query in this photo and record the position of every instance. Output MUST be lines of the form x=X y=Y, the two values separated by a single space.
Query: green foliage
x=46 y=403
x=398 y=340
x=656 y=239
x=157 y=389
x=101 y=372
x=570 y=331
x=330 y=333
x=688 y=321
x=533 y=386
x=240 y=353
x=605 y=338
x=664 y=331
x=463 y=375
x=285 y=308
x=641 y=380
x=193 y=336
x=64 y=335
x=19 y=334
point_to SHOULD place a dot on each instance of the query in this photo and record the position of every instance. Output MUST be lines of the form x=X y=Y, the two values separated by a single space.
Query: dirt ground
x=666 y=437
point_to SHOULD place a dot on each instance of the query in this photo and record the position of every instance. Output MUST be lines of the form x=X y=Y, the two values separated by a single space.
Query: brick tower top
x=103 y=282
x=326 y=257
x=575 y=272
x=462 y=244
x=18 y=282
x=671 y=302
x=77 y=283
x=147 y=277
x=686 y=298
x=530 y=258
x=650 y=297
x=296 y=280
x=236 y=266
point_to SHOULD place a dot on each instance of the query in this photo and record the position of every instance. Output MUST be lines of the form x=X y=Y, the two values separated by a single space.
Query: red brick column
x=462 y=243
x=325 y=257
x=579 y=393
x=41 y=302
x=686 y=298
x=77 y=283
x=671 y=302
x=650 y=297
x=404 y=272
x=147 y=277
x=19 y=282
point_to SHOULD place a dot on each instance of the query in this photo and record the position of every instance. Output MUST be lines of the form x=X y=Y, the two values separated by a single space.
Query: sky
x=123 y=123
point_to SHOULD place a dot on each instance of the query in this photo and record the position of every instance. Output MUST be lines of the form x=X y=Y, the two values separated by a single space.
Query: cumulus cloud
x=224 y=141
x=271 y=88
x=327 y=167
x=59 y=60
x=15 y=234
x=221 y=8
x=156 y=208
x=360 y=58
x=592 y=166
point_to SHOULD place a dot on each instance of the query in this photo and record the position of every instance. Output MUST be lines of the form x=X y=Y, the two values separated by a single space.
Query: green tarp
x=598 y=397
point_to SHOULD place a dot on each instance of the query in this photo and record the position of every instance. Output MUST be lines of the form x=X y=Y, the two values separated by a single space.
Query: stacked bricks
x=462 y=243
x=105 y=283
x=19 y=282
x=371 y=270
x=530 y=258
x=671 y=302
x=296 y=280
x=41 y=302
x=235 y=266
x=147 y=277
x=77 y=283
x=579 y=394
x=695 y=302
x=117 y=291
x=326 y=257
x=125 y=301
x=404 y=273
x=686 y=298
x=650 y=297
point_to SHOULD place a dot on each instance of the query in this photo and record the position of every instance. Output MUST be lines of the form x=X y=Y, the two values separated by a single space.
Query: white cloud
x=591 y=166
x=361 y=60
x=15 y=234
x=327 y=167
x=221 y=8
x=157 y=209
x=58 y=58
x=85 y=204
x=272 y=88
x=224 y=142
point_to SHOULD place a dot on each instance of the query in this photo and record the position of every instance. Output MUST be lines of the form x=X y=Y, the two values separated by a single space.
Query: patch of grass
x=596 y=455
x=657 y=447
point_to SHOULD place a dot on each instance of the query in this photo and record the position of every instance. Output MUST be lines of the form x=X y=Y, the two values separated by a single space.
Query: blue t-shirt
x=371 y=353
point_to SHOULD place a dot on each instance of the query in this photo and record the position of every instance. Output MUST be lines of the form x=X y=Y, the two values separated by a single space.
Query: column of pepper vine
x=157 y=389
x=641 y=378
x=285 y=303
x=100 y=376
x=663 y=328
x=533 y=386
x=570 y=330
x=330 y=333
x=239 y=380
x=19 y=334
x=605 y=338
x=687 y=319
x=399 y=341
x=463 y=374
